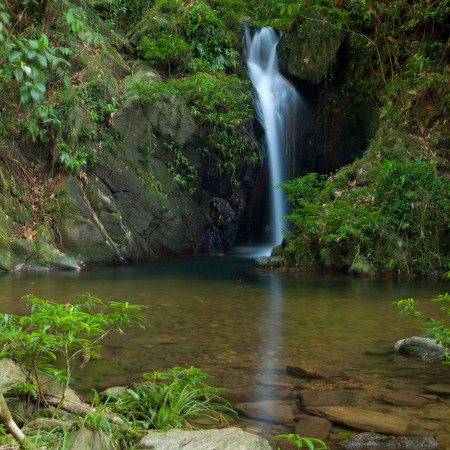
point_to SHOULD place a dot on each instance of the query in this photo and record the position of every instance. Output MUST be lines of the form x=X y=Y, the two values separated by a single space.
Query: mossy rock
x=309 y=58
x=8 y=260
x=138 y=123
x=47 y=256
x=80 y=230
x=142 y=73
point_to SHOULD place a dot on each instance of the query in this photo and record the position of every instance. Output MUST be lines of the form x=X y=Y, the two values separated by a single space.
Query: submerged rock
x=314 y=372
x=313 y=427
x=362 y=419
x=368 y=440
x=226 y=439
x=277 y=411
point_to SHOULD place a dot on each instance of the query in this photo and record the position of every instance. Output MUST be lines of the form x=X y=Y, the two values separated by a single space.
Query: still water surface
x=236 y=322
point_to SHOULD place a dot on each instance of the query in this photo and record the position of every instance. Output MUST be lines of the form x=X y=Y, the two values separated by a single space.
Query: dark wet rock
x=440 y=389
x=314 y=427
x=362 y=419
x=314 y=372
x=404 y=399
x=226 y=439
x=335 y=397
x=276 y=411
x=268 y=262
x=420 y=347
x=374 y=440
x=302 y=58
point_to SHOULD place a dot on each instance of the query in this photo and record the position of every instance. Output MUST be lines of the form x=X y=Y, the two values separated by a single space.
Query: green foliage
x=438 y=329
x=397 y=223
x=70 y=332
x=311 y=443
x=77 y=159
x=187 y=37
x=171 y=399
x=220 y=105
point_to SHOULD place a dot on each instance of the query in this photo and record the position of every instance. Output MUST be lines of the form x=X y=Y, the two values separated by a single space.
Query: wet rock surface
x=374 y=440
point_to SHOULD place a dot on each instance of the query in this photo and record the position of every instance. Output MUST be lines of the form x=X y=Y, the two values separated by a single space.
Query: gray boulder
x=226 y=439
x=420 y=347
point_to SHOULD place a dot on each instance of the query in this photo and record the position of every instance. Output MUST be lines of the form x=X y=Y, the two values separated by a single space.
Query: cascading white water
x=276 y=98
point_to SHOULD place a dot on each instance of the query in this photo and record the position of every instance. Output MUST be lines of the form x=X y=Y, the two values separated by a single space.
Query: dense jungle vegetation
x=386 y=212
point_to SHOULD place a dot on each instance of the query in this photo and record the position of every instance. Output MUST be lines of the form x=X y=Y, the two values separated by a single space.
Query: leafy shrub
x=397 y=222
x=70 y=331
x=180 y=32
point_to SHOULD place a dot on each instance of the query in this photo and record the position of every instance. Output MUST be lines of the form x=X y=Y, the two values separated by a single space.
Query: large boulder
x=309 y=57
x=420 y=347
x=226 y=439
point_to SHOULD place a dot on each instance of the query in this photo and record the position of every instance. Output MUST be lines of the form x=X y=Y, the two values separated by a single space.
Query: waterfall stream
x=276 y=99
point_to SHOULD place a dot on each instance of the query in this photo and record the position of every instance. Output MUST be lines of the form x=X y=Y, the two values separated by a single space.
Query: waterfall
x=276 y=99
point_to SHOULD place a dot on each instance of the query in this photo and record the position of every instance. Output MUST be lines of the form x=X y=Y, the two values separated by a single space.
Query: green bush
x=397 y=222
x=70 y=332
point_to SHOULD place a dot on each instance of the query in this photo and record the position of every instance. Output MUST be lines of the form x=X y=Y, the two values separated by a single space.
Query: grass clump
x=172 y=399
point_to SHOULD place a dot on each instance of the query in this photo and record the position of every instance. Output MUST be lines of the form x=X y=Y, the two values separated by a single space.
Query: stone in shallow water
x=404 y=399
x=226 y=439
x=362 y=419
x=332 y=397
x=276 y=411
x=420 y=347
x=440 y=389
x=313 y=372
x=370 y=440
x=314 y=427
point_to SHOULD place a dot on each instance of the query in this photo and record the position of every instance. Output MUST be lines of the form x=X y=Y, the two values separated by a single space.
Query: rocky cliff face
x=145 y=189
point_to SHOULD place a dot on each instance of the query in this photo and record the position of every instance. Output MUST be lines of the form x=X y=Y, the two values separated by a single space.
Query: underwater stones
x=440 y=389
x=276 y=411
x=404 y=399
x=313 y=427
x=362 y=419
x=420 y=347
x=331 y=397
x=313 y=372
x=226 y=439
x=375 y=440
